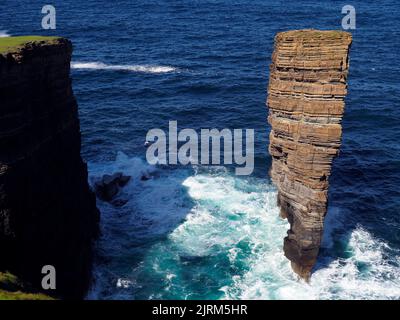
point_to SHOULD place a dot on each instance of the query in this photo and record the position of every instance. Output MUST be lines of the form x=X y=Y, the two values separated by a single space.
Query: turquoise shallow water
x=203 y=232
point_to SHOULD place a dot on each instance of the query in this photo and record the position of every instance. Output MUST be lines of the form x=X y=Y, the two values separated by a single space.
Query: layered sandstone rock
x=307 y=87
x=48 y=214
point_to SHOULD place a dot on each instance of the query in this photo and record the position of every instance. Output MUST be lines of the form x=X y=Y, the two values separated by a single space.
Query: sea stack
x=307 y=88
x=48 y=214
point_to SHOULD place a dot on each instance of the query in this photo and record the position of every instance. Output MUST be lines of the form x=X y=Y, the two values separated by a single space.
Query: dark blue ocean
x=202 y=232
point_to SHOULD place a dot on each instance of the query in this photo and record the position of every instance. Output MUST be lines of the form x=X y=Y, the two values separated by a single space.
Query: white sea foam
x=3 y=34
x=212 y=217
x=364 y=275
x=132 y=68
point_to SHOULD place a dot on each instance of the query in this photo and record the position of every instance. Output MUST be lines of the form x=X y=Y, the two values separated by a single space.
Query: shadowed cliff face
x=48 y=214
x=307 y=87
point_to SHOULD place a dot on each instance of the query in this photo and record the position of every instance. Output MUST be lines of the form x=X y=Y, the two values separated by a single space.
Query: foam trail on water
x=207 y=234
x=132 y=68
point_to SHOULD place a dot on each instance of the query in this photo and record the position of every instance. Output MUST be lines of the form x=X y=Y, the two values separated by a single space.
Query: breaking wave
x=132 y=68
x=203 y=233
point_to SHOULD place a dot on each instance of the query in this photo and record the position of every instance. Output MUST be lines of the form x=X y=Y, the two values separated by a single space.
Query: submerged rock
x=307 y=87
x=145 y=177
x=109 y=185
x=119 y=202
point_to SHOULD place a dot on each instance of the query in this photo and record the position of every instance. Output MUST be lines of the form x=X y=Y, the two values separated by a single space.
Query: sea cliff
x=48 y=213
x=307 y=87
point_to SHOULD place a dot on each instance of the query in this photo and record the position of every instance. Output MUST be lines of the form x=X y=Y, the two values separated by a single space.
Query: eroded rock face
x=48 y=214
x=307 y=87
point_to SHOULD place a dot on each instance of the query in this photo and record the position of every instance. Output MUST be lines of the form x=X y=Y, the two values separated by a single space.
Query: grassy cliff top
x=18 y=295
x=313 y=33
x=11 y=288
x=11 y=44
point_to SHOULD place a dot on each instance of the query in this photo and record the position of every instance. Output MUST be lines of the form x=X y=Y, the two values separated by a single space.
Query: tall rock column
x=48 y=214
x=307 y=87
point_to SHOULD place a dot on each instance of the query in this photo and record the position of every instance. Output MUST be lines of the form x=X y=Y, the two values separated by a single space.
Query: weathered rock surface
x=109 y=185
x=48 y=214
x=307 y=87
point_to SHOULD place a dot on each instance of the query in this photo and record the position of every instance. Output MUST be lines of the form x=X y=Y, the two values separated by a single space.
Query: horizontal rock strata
x=307 y=87
x=48 y=214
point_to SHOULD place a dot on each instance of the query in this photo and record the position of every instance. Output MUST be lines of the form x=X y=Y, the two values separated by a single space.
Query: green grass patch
x=11 y=288
x=10 y=44
x=18 y=295
x=9 y=282
x=312 y=33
